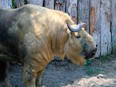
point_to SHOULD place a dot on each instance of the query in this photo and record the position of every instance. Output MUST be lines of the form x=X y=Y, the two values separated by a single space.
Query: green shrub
x=14 y=3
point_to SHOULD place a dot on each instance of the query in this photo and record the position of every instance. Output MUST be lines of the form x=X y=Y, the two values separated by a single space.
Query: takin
x=33 y=35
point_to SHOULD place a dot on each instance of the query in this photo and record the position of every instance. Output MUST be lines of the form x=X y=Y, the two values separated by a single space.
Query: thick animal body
x=33 y=35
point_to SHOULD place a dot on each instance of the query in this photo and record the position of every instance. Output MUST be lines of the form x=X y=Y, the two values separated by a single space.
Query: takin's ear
x=68 y=31
x=71 y=34
x=85 y=28
x=76 y=34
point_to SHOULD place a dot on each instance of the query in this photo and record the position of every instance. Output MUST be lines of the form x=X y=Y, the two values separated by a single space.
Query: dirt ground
x=66 y=74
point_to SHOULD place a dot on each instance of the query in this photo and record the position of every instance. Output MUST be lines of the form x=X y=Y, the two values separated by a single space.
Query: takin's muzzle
x=91 y=54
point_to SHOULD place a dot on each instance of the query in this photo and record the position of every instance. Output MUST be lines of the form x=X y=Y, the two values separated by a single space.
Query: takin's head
x=80 y=45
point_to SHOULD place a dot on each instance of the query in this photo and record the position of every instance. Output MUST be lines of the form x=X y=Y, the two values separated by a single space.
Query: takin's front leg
x=39 y=78
x=29 y=76
x=3 y=74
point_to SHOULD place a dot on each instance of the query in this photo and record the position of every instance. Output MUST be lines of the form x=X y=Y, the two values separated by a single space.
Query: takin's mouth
x=91 y=56
x=88 y=58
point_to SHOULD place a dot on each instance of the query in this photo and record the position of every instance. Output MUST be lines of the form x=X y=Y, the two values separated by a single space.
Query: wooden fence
x=100 y=16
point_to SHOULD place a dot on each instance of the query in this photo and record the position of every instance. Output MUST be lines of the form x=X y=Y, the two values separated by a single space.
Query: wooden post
x=95 y=29
x=114 y=26
x=72 y=9
x=83 y=12
x=6 y=4
x=36 y=2
x=49 y=4
x=105 y=14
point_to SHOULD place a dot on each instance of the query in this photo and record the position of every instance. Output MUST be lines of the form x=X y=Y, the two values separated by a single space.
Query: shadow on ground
x=63 y=74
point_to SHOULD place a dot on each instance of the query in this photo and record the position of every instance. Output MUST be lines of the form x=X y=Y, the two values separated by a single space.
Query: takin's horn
x=77 y=27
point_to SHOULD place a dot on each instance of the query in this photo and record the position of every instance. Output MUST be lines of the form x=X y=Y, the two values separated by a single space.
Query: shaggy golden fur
x=40 y=34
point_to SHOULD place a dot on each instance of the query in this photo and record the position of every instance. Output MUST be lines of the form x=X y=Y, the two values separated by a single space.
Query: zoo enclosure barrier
x=100 y=16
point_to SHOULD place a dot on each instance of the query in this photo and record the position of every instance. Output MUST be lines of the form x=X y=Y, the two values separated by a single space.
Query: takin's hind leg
x=39 y=78
x=3 y=74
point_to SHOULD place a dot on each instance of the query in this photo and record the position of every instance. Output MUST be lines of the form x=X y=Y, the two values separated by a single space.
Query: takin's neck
x=58 y=41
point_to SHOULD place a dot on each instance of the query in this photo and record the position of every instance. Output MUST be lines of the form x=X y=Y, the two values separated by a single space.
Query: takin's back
x=15 y=23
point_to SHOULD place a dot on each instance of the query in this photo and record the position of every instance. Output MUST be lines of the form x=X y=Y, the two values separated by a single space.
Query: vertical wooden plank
x=83 y=12
x=36 y=2
x=114 y=25
x=95 y=23
x=49 y=4
x=19 y=3
x=6 y=4
x=60 y=5
x=67 y=5
x=72 y=9
x=105 y=13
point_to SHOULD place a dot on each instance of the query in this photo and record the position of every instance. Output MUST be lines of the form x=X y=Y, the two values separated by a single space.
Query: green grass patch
x=92 y=70
x=106 y=58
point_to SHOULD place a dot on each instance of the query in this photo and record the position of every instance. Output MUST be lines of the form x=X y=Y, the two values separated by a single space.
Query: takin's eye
x=78 y=37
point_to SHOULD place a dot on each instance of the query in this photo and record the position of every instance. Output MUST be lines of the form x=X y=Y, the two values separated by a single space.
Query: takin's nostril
x=92 y=54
